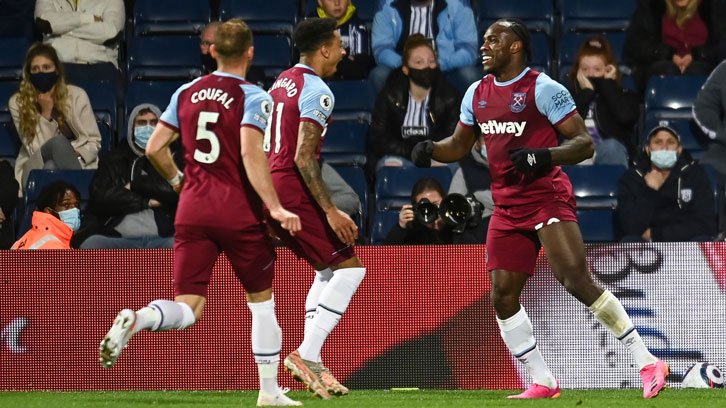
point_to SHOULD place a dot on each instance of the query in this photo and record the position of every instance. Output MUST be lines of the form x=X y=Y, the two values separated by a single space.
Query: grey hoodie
x=130 y=125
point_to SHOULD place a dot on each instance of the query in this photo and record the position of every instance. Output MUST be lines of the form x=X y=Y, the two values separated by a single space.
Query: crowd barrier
x=421 y=318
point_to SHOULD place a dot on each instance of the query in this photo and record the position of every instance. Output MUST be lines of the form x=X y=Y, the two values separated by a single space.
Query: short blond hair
x=232 y=39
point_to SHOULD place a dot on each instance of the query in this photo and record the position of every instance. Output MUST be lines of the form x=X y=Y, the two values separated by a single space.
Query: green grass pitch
x=676 y=398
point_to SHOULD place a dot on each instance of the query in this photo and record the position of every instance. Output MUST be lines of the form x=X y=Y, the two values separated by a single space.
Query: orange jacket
x=48 y=232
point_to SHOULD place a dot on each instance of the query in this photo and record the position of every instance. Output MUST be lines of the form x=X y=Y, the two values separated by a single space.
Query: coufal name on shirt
x=213 y=94
x=493 y=127
x=286 y=83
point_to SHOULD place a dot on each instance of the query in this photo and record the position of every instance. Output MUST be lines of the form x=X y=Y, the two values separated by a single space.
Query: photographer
x=411 y=230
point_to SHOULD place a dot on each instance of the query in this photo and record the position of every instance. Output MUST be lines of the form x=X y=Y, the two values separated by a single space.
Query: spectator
x=709 y=111
x=674 y=37
x=411 y=231
x=86 y=35
x=8 y=200
x=449 y=23
x=667 y=196
x=56 y=218
x=417 y=104
x=610 y=111
x=54 y=120
x=209 y=64
x=472 y=177
x=134 y=205
x=358 y=61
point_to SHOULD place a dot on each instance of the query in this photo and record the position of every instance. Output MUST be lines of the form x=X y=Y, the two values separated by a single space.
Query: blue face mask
x=483 y=151
x=71 y=217
x=663 y=159
x=142 y=135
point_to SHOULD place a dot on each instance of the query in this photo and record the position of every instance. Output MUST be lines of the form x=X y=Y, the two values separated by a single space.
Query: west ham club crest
x=518 y=102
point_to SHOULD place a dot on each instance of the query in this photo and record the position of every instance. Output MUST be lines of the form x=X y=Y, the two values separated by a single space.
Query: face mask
x=44 y=81
x=142 y=135
x=208 y=63
x=71 y=218
x=424 y=77
x=663 y=159
x=484 y=151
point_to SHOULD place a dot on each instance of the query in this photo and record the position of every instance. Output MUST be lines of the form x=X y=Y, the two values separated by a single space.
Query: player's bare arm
x=580 y=145
x=309 y=136
x=455 y=147
x=258 y=172
x=159 y=153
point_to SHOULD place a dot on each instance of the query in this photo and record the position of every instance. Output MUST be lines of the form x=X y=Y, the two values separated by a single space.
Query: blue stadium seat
x=353 y=100
x=382 y=224
x=537 y=15
x=7 y=89
x=541 y=56
x=262 y=17
x=273 y=53
x=101 y=94
x=596 y=192
x=345 y=143
x=356 y=178
x=570 y=45
x=691 y=137
x=671 y=97
x=37 y=179
x=154 y=17
x=12 y=57
x=157 y=92
x=164 y=57
x=9 y=142
x=589 y=16
x=394 y=184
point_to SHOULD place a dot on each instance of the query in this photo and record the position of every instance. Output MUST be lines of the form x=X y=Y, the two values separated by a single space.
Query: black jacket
x=384 y=133
x=616 y=110
x=422 y=235
x=8 y=200
x=682 y=209
x=643 y=44
x=111 y=201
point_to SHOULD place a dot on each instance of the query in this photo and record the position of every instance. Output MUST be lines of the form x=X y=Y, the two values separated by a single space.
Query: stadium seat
x=355 y=177
x=353 y=100
x=691 y=137
x=719 y=193
x=7 y=89
x=537 y=15
x=154 y=17
x=12 y=57
x=164 y=57
x=570 y=45
x=596 y=191
x=37 y=179
x=541 y=56
x=595 y=16
x=382 y=224
x=272 y=17
x=394 y=184
x=671 y=97
x=157 y=92
x=101 y=94
x=273 y=53
x=9 y=142
x=345 y=143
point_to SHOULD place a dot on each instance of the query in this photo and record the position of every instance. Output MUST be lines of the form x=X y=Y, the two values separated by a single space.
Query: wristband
x=176 y=179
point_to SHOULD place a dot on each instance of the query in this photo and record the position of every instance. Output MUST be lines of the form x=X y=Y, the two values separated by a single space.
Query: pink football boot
x=654 y=378
x=539 y=391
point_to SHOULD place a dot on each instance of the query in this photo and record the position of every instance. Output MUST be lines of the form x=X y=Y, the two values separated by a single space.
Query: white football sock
x=163 y=315
x=311 y=301
x=519 y=338
x=333 y=301
x=266 y=343
x=610 y=312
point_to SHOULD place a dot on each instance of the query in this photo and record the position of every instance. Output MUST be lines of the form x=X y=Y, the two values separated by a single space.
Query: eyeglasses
x=206 y=43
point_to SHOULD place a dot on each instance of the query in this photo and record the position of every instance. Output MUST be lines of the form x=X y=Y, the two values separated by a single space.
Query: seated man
x=56 y=219
x=667 y=195
x=412 y=230
x=132 y=206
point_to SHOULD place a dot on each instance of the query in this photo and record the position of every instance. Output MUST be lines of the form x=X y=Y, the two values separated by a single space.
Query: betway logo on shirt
x=493 y=127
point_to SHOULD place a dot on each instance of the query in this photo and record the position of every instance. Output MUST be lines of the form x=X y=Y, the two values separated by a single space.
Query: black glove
x=528 y=160
x=421 y=153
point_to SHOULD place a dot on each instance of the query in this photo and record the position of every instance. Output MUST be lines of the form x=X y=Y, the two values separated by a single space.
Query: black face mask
x=425 y=78
x=209 y=64
x=44 y=81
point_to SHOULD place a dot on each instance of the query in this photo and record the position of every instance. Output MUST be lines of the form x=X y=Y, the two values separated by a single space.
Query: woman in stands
x=416 y=104
x=610 y=111
x=675 y=37
x=54 y=120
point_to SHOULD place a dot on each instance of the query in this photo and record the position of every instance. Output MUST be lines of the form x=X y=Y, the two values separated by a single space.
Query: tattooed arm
x=309 y=135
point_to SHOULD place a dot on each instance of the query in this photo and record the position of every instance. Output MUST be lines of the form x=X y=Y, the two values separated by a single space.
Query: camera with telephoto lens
x=458 y=211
